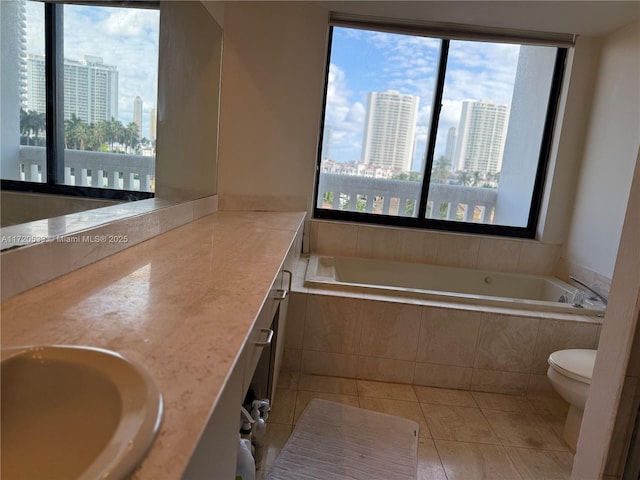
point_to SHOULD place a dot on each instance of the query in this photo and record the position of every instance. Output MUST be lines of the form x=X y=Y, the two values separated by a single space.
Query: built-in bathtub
x=528 y=292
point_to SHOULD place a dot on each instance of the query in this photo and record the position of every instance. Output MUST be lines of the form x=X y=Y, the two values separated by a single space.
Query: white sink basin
x=75 y=413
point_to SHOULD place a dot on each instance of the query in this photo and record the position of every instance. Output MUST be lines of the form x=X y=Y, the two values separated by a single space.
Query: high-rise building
x=137 y=114
x=389 y=129
x=90 y=88
x=153 y=119
x=481 y=136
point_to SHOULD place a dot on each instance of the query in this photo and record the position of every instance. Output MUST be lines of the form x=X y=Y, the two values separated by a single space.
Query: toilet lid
x=575 y=363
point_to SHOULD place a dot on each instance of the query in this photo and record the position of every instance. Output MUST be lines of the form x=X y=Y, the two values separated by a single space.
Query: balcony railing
x=92 y=169
x=401 y=197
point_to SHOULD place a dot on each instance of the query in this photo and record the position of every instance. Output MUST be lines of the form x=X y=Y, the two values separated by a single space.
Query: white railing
x=401 y=197
x=91 y=169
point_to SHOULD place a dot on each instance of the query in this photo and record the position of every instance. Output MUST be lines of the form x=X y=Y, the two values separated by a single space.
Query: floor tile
x=305 y=397
x=475 y=461
x=550 y=407
x=444 y=396
x=500 y=401
x=320 y=383
x=395 y=391
x=541 y=464
x=524 y=430
x=277 y=436
x=464 y=424
x=429 y=465
x=288 y=380
x=399 y=408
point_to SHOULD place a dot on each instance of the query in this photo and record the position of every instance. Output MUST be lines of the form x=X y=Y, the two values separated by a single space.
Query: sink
x=74 y=413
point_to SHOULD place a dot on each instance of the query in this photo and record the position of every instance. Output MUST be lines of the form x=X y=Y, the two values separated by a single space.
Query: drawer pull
x=282 y=293
x=266 y=342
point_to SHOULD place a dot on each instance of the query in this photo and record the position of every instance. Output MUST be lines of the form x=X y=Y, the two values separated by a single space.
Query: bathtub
x=431 y=282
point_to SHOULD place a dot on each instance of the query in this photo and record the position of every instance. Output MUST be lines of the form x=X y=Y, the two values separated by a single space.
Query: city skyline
x=121 y=36
x=364 y=61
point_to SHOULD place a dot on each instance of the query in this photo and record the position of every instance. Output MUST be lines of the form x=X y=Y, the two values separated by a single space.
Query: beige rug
x=332 y=441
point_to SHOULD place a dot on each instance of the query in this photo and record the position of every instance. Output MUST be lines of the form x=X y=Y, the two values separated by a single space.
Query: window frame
x=445 y=35
x=54 y=111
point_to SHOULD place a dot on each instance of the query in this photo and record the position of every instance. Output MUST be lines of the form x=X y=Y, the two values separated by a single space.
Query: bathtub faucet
x=597 y=295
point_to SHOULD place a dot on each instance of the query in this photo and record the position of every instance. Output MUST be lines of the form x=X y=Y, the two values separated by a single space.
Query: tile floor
x=463 y=435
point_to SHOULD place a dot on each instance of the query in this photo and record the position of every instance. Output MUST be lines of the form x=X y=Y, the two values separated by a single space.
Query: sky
x=367 y=61
x=125 y=37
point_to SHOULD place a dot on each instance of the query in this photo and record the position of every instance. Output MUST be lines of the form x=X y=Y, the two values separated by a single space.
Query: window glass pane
x=494 y=107
x=110 y=85
x=22 y=96
x=377 y=114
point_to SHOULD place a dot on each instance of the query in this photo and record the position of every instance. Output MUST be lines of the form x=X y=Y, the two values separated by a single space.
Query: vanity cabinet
x=216 y=453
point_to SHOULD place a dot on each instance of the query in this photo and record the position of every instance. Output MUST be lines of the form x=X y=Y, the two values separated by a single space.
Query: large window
x=451 y=133
x=79 y=92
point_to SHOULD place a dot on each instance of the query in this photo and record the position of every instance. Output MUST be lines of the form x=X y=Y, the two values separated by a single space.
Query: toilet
x=570 y=374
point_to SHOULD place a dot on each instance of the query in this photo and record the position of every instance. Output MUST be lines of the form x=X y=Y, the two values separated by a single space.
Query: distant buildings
x=389 y=129
x=153 y=119
x=137 y=114
x=90 y=88
x=481 y=136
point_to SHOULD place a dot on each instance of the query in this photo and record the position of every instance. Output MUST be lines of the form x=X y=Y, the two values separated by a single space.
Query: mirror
x=189 y=66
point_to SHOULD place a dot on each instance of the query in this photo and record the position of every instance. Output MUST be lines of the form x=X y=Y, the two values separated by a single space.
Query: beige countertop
x=181 y=304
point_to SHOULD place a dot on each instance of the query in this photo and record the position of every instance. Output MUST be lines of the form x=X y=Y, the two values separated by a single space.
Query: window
x=475 y=163
x=79 y=89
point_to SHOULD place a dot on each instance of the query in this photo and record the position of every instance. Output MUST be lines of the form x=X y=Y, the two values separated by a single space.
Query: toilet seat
x=574 y=363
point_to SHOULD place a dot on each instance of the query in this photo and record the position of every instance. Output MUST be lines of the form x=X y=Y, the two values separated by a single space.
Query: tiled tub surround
x=181 y=304
x=358 y=335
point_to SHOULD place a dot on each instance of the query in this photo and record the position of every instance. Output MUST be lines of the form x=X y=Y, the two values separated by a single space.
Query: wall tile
x=540 y=386
x=376 y=242
x=499 y=255
x=335 y=239
x=448 y=336
x=291 y=360
x=556 y=335
x=296 y=314
x=444 y=376
x=538 y=258
x=333 y=324
x=416 y=246
x=458 y=250
x=385 y=369
x=506 y=343
x=390 y=330
x=499 y=381
x=331 y=364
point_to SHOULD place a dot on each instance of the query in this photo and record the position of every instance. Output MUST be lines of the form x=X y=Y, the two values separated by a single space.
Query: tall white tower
x=389 y=129
x=137 y=114
x=481 y=136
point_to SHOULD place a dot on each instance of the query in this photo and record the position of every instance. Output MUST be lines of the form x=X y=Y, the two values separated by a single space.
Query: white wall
x=272 y=87
x=610 y=149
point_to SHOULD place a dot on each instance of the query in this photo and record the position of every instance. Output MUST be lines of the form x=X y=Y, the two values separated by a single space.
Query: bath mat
x=332 y=441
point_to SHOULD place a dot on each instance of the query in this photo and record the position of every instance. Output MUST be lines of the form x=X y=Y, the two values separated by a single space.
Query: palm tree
x=440 y=174
x=477 y=177
x=75 y=132
x=464 y=178
x=132 y=136
x=32 y=123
